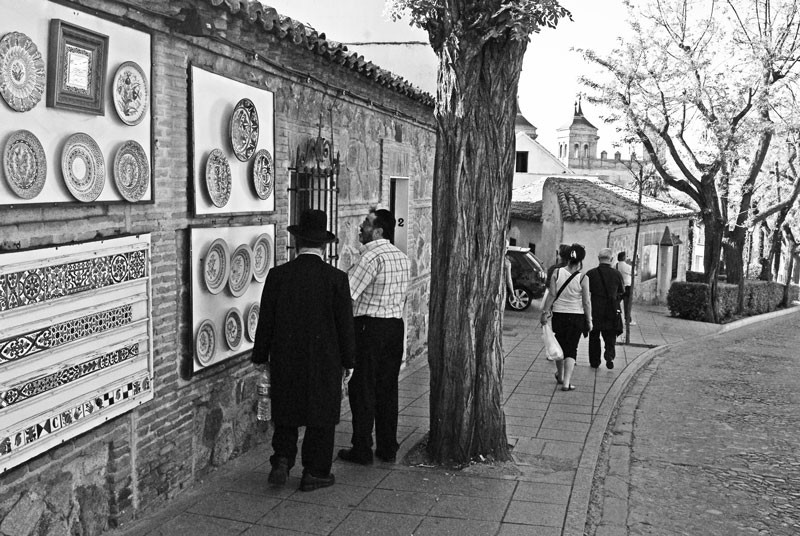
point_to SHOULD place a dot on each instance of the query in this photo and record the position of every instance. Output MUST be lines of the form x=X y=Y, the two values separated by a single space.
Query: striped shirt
x=379 y=281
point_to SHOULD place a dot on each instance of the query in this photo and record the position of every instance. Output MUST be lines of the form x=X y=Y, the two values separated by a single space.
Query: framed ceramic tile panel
x=76 y=68
x=217 y=288
x=75 y=341
x=214 y=100
x=53 y=126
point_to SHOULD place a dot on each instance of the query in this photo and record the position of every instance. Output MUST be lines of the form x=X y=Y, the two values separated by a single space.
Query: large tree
x=697 y=83
x=480 y=45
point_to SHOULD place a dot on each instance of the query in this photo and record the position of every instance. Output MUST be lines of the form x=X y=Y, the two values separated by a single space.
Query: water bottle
x=264 y=411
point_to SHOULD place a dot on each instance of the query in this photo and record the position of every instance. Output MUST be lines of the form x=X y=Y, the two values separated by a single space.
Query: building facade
x=124 y=339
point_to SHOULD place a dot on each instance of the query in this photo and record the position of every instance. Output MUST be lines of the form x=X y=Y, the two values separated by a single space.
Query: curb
x=578 y=506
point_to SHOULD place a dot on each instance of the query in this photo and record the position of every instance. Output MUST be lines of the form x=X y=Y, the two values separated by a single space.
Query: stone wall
x=142 y=459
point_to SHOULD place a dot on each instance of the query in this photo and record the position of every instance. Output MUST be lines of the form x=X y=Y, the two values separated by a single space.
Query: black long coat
x=305 y=333
x=605 y=284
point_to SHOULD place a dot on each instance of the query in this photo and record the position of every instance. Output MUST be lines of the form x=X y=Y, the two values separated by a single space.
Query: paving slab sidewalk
x=556 y=438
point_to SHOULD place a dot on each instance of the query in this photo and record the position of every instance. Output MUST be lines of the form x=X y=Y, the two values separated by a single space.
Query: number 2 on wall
x=401 y=222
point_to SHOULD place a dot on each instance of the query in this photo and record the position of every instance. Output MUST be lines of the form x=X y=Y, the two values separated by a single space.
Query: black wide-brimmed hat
x=312 y=227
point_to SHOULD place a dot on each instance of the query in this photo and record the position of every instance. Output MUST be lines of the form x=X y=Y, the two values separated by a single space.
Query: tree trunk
x=787 y=282
x=714 y=227
x=474 y=169
x=733 y=253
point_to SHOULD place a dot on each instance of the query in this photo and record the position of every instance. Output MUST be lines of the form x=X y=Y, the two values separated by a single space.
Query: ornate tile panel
x=18 y=289
x=31 y=433
x=27 y=344
x=43 y=384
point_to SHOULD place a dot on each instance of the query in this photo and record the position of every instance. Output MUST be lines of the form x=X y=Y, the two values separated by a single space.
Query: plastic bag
x=552 y=350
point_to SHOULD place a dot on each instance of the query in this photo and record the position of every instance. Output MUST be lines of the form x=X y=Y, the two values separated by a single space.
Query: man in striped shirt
x=378 y=286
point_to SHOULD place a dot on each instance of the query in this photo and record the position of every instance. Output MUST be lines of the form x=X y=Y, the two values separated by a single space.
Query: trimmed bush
x=695 y=277
x=689 y=300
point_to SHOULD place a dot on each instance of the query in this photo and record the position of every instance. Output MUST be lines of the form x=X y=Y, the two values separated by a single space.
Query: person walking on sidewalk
x=305 y=336
x=625 y=269
x=378 y=284
x=568 y=306
x=606 y=289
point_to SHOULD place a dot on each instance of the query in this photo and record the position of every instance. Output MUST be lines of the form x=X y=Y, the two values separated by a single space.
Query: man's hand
x=346 y=375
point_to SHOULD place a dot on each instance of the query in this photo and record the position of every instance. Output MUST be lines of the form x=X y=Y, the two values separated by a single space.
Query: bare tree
x=480 y=45
x=699 y=78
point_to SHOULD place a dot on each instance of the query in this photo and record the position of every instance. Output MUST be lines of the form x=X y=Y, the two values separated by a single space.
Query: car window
x=532 y=261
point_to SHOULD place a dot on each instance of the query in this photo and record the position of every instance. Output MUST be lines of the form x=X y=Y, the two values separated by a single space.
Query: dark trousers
x=626 y=303
x=317 y=453
x=609 y=340
x=373 y=387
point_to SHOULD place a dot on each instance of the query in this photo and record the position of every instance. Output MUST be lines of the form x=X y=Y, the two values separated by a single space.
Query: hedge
x=689 y=300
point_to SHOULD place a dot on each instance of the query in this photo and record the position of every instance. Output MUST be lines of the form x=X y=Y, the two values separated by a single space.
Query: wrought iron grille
x=314 y=185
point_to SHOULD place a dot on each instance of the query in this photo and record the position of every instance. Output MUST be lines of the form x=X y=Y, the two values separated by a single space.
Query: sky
x=549 y=79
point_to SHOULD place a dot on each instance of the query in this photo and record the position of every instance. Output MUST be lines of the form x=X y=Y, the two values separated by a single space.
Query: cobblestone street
x=705 y=440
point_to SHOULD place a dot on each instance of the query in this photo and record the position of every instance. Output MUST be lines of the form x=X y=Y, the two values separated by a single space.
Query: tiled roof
x=526 y=210
x=305 y=36
x=591 y=200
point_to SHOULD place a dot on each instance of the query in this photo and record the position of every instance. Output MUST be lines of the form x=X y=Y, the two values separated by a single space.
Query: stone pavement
x=557 y=438
x=705 y=440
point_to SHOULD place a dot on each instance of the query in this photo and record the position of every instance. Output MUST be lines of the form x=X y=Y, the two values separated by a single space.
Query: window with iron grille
x=314 y=185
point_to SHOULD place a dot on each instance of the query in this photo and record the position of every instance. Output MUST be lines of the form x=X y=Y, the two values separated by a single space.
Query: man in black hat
x=305 y=335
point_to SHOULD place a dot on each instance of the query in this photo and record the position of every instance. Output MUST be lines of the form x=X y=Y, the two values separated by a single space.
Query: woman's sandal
x=568 y=388
x=559 y=382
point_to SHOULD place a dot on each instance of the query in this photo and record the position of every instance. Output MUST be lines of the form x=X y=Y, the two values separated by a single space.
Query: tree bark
x=713 y=229
x=474 y=169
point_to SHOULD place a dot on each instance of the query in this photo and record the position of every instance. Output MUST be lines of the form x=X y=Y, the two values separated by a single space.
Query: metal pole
x=634 y=260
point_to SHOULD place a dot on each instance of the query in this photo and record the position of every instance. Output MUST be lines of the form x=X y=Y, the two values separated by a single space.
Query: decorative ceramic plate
x=131 y=171
x=205 y=342
x=217 y=266
x=234 y=329
x=252 y=322
x=244 y=129
x=262 y=257
x=218 y=178
x=83 y=167
x=241 y=270
x=263 y=174
x=24 y=164
x=130 y=93
x=22 y=73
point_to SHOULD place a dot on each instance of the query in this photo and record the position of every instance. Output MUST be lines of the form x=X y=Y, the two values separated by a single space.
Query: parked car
x=528 y=275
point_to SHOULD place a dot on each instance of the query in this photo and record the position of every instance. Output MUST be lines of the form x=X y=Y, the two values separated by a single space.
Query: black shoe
x=352 y=456
x=594 y=365
x=310 y=482
x=279 y=473
x=609 y=365
x=391 y=458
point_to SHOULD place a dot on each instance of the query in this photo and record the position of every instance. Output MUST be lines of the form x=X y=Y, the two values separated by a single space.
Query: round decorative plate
x=83 y=167
x=263 y=174
x=205 y=342
x=24 y=164
x=218 y=178
x=130 y=93
x=234 y=328
x=241 y=270
x=252 y=322
x=216 y=266
x=21 y=71
x=262 y=257
x=131 y=171
x=244 y=129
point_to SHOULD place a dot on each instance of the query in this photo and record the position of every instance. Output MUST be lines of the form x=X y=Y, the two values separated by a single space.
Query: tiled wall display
x=229 y=267
x=75 y=341
x=75 y=115
x=233 y=140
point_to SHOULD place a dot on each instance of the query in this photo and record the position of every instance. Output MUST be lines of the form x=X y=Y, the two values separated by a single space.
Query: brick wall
x=139 y=460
